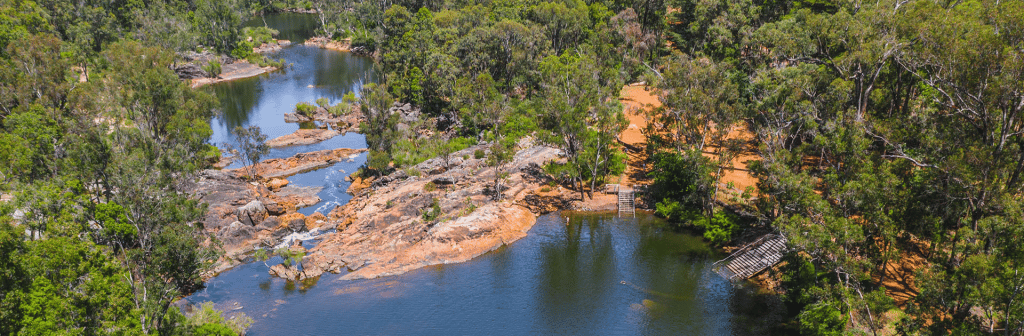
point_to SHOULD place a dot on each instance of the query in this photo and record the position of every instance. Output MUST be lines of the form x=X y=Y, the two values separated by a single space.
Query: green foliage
x=412 y=151
x=822 y=319
x=115 y=223
x=99 y=166
x=305 y=109
x=289 y=256
x=718 y=228
x=379 y=126
x=253 y=146
x=259 y=35
x=479 y=154
x=98 y=297
x=213 y=68
x=800 y=280
x=322 y=102
x=432 y=214
x=243 y=50
x=683 y=178
x=430 y=187
x=211 y=154
x=207 y=320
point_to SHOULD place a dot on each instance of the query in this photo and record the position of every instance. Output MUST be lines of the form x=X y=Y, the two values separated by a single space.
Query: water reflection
x=294 y=27
x=598 y=275
x=314 y=73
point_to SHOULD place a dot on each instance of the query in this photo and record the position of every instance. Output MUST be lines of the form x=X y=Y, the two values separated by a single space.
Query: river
x=575 y=273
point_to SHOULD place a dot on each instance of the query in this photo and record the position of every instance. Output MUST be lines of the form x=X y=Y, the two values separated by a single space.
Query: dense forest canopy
x=99 y=141
x=883 y=131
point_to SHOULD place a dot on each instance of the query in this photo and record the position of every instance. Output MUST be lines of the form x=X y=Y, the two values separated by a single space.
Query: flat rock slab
x=303 y=137
x=383 y=231
x=409 y=244
x=300 y=163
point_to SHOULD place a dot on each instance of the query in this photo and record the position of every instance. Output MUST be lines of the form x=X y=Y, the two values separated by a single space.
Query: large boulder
x=296 y=222
x=315 y=220
x=236 y=234
x=252 y=213
x=270 y=223
x=277 y=183
x=190 y=71
x=280 y=270
x=275 y=209
x=295 y=118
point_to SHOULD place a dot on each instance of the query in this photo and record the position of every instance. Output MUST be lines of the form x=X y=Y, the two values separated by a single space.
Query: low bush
x=213 y=68
x=433 y=213
x=305 y=109
x=718 y=229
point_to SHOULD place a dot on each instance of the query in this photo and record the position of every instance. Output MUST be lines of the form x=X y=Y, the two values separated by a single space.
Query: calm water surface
x=596 y=274
x=263 y=100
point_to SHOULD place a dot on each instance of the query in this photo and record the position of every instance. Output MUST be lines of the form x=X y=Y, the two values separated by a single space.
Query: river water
x=575 y=273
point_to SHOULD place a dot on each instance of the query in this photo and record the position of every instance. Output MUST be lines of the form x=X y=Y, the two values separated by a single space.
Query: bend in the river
x=575 y=273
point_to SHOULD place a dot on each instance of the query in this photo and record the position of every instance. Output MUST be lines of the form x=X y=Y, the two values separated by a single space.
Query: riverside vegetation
x=883 y=132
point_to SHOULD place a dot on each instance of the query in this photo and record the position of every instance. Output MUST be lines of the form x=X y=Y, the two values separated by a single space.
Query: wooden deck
x=763 y=253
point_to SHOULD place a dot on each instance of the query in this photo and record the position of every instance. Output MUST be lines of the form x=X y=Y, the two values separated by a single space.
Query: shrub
x=322 y=102
x=545 y=189
x=822 y=319
x=433 y=213
x=213 y=68
x=364 y=41
x=289 y=257
x=243 y=50
x=479 y=154
x=211 y=154
x=685 y=178
x=413 y=172
x=718 y=229
x=337 y=110
x=209 y=321
x=259 y=35
x=429 y=187
x=305 y=109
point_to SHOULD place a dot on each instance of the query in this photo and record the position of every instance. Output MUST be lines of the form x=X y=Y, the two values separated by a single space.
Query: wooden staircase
x=626 y=195
x=763 y=253
x=626 y=198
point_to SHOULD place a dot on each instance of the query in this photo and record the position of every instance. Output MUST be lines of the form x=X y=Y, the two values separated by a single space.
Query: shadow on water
x=294 y=27
x=314 y=73
x=263 y=100
x=598 y=275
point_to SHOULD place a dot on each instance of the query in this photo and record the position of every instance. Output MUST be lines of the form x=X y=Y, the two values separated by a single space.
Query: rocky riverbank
x=195 y=67
x=343 y=45
x=303 y=137
x=245 y=215
x=344 y=122
x=431 y=214
x=436 y=212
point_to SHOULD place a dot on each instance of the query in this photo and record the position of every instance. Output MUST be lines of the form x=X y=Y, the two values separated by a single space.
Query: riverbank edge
x=248 y=69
